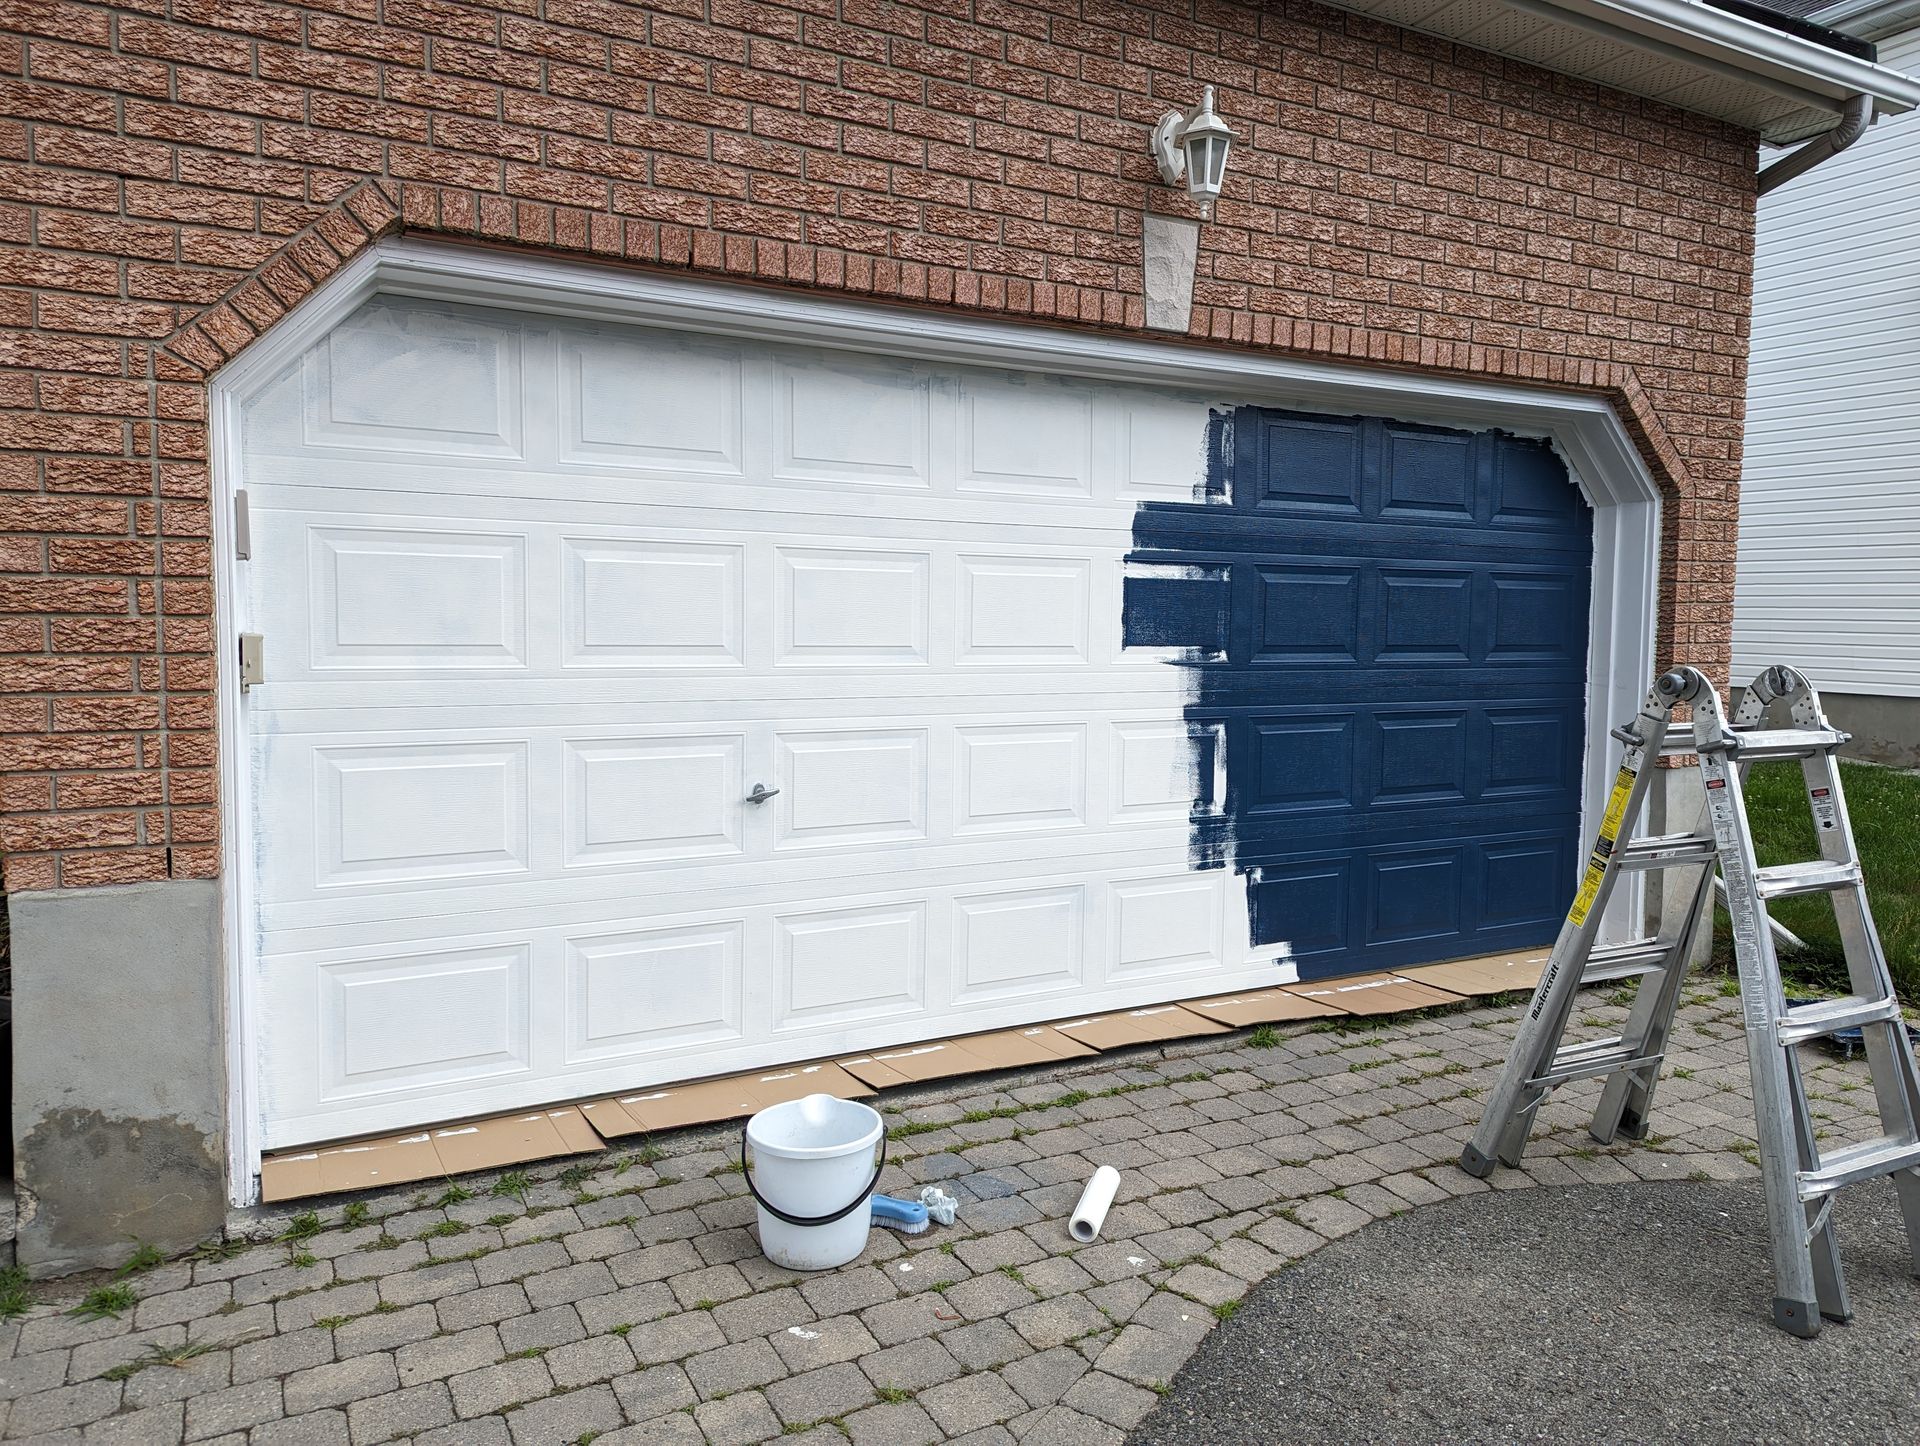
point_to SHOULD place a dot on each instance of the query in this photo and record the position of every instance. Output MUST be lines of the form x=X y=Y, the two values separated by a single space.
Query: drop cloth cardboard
x=1374 y=994
x=354 y=1165
x=970 y=1054
x=1488 y=974
x=1139 y=1026
x=429 y=1154
x=710 y=1100
x=1261 y=1006
x=514 y=1139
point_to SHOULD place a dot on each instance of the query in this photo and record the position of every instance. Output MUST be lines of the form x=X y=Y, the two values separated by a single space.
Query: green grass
x=104 y=1301
x=144 y=1258
x=14 y=1298
x=1884 y=805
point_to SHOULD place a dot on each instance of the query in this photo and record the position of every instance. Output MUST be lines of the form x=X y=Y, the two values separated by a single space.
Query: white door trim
x=1588 y=433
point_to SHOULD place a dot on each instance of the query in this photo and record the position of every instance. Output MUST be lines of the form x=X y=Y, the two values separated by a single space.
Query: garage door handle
x=761 y=793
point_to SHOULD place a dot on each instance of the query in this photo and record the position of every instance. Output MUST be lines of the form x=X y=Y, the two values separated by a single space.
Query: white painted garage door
x=544 y=602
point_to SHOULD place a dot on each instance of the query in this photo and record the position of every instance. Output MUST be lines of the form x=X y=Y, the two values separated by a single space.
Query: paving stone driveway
x=627 y=1301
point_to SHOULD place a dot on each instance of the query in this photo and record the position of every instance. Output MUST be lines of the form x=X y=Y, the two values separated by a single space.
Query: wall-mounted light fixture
x=1193 y=144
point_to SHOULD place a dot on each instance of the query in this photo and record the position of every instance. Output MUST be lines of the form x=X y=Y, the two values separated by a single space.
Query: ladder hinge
x=253 y=660
x=242 y=526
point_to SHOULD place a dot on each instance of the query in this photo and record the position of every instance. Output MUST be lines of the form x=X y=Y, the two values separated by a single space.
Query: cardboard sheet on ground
x=970 y=1054
x=1152 y=1025
x=1488 y=974
x=1260 y=1006
x=1374 y=994
x=707 y=1101
x=429 y=1154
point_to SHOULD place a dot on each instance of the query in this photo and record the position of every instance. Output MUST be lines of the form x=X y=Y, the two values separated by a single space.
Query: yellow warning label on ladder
x=1603 y=846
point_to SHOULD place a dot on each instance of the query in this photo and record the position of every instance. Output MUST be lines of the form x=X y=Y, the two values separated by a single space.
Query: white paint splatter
x=906 y=1270
x=803 y=1333
x=1136 y=1260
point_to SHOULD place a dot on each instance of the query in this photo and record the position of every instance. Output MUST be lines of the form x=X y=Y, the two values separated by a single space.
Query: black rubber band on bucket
x=845 y=1210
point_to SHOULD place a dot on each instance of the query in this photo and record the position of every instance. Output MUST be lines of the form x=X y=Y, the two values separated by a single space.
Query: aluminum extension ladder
x=1800 y=1179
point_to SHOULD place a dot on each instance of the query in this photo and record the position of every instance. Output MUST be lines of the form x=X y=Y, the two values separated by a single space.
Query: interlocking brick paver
x=735 y=1368
x=654 y=1392
x=971 y=1402
x=385 y=1330
x=400 y=1413
x=1107 y=1398
x=1226 y=1179
x=1044 y=1378
x=45 y=1411
x=565 y=1418
x=911 y=1366
x=738 y=1420
x=317 y=1428
x=339 y=1383
x=761 y=1313
x=494 y=1388
x=893 y=1423
x=281 y=1355
x=822 y=1394
x=574 y=1282
x=674 y=1338
x=598 y=1358
x=823 y=1342
x=234 y=1409
x=986 y=1344
x=155 y=1426
x=542 y=1330
x=451 y=1355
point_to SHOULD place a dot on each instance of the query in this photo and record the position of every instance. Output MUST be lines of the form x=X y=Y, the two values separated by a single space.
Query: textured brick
x=207 y=172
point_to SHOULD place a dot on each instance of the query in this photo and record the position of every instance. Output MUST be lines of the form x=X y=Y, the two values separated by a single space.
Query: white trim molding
x=1584 y=427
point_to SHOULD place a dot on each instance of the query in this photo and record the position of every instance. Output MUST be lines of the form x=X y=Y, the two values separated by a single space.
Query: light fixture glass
x=1192 y=145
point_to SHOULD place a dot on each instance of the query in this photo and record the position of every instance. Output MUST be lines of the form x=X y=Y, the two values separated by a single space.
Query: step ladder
x=1800 y=1179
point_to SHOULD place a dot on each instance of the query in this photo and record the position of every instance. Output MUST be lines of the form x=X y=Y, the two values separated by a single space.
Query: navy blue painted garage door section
x=1387 y=626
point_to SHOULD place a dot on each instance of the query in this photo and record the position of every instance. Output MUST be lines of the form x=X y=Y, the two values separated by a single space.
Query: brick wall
x=179 y=173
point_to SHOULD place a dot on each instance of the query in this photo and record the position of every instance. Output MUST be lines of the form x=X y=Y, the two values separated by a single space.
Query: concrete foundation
x=119 y=1072
x=1885 y=729
x=1170 y=249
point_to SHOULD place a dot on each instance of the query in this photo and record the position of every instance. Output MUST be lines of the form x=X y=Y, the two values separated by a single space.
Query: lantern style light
x=1192 y=145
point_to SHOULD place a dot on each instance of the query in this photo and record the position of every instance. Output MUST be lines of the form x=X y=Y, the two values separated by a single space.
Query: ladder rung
x=1594 y=1057
x=1786 y=742
x=1817 y=876
x=1811 y=1021
x=1864 y=1161
x=1625 y=961
x=1667 y=850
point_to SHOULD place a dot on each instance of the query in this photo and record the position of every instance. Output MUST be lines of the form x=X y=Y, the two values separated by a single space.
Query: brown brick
x=1413 y=205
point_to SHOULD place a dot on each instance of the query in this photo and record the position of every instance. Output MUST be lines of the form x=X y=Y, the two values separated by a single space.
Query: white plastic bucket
x=812 y=1175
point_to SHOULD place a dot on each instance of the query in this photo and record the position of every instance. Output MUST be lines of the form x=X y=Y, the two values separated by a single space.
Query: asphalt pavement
x=1619 y=1313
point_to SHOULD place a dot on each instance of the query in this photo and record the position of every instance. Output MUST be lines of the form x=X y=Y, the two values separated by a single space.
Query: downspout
x=1854 y=121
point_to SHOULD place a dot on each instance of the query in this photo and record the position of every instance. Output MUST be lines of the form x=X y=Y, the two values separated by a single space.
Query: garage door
x=642 y=705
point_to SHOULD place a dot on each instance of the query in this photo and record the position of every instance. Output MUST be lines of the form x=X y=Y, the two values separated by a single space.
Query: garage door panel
x=653 y=400
x=635 y=604
x=416 y=379
x=633 y=993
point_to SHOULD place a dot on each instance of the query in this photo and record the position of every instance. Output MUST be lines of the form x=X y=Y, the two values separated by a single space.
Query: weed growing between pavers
x=104 y=1301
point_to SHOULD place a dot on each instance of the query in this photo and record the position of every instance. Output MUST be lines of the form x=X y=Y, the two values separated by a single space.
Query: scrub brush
x=909 y=1217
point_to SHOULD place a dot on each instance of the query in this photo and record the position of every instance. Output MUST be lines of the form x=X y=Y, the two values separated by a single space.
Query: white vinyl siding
x=1829 y=575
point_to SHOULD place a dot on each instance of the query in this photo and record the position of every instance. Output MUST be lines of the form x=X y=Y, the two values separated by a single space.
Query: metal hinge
x=253 y=660
x=242 y=526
